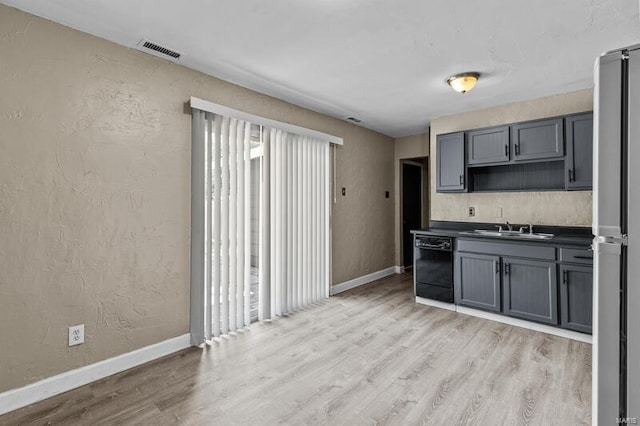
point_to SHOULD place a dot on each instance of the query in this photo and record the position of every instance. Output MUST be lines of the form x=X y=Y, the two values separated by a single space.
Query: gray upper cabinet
x=477 y=281
x=530 y=290
x=537 y=140
x=539 y=155
x=579 y=163
x=450 y=167
x=576 y=297
x=488 y=146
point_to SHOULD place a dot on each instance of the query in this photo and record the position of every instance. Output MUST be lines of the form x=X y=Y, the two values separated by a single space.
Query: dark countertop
x=574 y=236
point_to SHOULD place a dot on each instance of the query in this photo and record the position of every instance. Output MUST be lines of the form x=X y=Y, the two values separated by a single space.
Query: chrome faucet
x=509 y=227
x=525 y=228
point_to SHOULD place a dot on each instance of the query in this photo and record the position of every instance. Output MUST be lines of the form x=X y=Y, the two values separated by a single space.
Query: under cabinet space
x=518 y=177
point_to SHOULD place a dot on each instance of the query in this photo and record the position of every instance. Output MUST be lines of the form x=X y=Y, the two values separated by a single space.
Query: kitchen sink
x=494 y=233
x=535 y=236
x=509 y=234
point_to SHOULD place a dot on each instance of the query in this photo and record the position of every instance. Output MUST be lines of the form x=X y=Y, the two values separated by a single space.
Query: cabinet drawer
x=506 y=249
x=576 y=255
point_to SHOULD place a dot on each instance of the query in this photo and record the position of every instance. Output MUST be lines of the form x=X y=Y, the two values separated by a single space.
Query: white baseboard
x=561 y=332
x=436 y=303
x=21 y=397
x=365 y=279
x=400 y=269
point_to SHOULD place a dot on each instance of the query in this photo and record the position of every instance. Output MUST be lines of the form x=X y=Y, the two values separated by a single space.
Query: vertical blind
x=294 y=224
x=224 y=145
x=298 y=218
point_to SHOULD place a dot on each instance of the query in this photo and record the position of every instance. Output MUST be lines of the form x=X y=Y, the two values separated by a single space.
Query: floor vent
x=158 y=50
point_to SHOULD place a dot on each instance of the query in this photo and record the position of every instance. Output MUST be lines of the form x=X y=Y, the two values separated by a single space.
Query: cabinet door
x=477 y=281
x=488 y=146
x=579 y=164
x=535 y=140
x=530 y=290
x=450 y=163
x=576 y=297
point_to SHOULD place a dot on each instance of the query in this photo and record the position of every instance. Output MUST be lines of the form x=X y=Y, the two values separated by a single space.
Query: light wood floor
x=367 y=356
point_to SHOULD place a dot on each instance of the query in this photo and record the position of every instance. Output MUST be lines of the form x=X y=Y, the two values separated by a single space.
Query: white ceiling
x=382 y=61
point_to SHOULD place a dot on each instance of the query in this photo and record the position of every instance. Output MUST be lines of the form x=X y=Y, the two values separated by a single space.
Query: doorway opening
x=414 y=210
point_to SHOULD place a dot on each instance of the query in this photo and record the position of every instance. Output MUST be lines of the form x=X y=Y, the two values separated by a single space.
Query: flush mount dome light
x=464 y=82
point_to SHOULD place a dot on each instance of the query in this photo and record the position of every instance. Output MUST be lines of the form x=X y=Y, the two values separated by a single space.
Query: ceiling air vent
x=158 y=50
x=353 y=119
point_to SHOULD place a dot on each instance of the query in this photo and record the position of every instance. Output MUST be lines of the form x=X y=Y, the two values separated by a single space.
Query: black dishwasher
x=433 y=265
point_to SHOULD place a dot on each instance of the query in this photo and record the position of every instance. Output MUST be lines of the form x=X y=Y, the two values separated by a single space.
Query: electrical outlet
x=472 y=211
x=344 y=191
x=76 y=335
x=386 y=194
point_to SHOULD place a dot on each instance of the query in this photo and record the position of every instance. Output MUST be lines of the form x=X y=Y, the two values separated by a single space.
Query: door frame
x=401 y=201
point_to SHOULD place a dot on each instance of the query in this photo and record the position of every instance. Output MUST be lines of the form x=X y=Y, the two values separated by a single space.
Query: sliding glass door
x=260 y=223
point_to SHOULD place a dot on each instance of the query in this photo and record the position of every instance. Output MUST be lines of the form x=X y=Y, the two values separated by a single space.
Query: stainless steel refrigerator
x=616 y=227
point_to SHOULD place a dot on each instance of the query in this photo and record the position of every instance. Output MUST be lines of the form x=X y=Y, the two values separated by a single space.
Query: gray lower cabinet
x=530 y=290
x=477 y=281
x=488 y=146
x=579 y=163
x=540 y=139
x=576 y=297
x=450 y=167
x=536 y=282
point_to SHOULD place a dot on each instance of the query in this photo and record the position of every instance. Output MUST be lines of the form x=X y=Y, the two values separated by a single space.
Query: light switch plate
x=76 y=335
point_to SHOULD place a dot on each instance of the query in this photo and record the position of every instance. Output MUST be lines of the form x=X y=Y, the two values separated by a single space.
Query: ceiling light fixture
x=464 y=82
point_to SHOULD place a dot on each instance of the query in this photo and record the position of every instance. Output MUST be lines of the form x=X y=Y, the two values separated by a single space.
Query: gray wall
x=95 y=194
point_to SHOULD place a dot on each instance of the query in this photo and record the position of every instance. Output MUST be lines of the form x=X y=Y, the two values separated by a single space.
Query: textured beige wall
x=415 y=146
x=95 y=195
x=548 y=208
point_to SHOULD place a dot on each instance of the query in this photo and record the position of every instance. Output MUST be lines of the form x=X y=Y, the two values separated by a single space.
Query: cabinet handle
x=461 y=179
x=507 y=268
x=583 y=257
x=497 y=267
x=565 y=277
x=571 y=177
x=506 y=150
x=517 y=146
